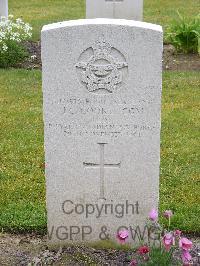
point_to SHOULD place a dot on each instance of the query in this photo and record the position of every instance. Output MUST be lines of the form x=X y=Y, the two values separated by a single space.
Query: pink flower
x=185 y=243
x=167 y=214
x=133 y=263
x=168 y=241
x=186 y=257
x=122 y=235
x=143 y=250
x=153 y=215
x=177 y=232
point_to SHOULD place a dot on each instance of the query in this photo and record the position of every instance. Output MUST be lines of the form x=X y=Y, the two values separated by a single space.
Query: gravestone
x=4 y=8
x=120 y=9
x=102 y=99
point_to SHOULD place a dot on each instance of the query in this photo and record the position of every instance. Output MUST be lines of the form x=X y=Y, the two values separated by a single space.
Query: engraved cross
x=102 y=165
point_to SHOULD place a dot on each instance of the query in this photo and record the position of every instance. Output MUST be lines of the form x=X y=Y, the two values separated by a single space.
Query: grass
x=22 y=182
x=39 y=13
x=163 y=12
x=22 y=203
x=180 y=175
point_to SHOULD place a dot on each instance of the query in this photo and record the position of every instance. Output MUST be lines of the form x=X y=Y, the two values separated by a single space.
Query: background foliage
x=39 y=13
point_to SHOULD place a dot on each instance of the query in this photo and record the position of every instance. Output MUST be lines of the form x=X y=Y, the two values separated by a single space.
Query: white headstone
x=4 y=8
x=120 y=9
x=102 y=99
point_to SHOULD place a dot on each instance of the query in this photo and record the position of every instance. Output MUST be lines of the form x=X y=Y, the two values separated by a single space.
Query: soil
x=172 y=61
x=31 y=249
x=179 y=62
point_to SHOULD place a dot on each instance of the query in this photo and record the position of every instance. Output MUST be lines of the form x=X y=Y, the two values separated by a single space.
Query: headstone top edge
x=102 y=21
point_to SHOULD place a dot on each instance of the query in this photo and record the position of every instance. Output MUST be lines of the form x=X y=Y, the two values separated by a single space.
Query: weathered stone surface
x=120 y=9
x=3 y=8
x=102 y=99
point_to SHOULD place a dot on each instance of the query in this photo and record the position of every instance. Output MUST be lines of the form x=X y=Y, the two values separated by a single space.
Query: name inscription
x=103 y=117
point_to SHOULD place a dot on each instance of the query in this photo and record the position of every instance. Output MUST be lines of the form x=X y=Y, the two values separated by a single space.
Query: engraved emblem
x=102 y=68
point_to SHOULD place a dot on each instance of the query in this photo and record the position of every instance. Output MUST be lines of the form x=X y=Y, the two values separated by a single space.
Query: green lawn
x=22 y=182
x=39 y=13
x=22 y=202
x=180 y=157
